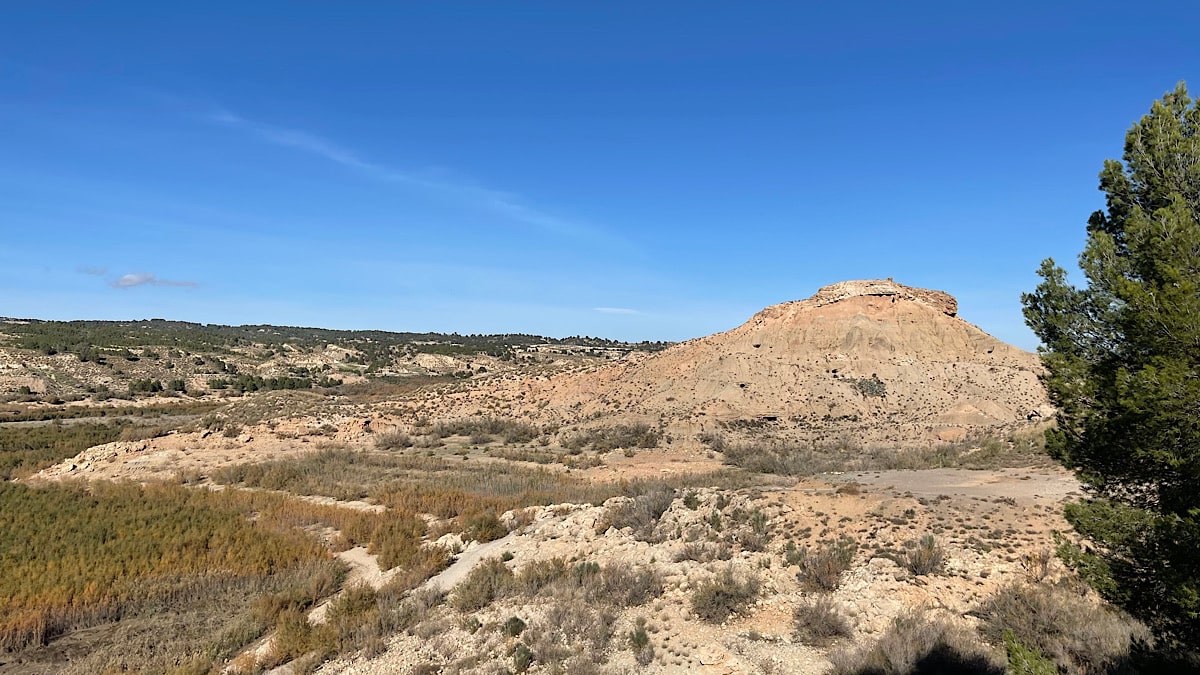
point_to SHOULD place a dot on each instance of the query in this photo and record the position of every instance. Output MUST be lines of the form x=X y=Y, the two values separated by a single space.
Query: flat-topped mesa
x=943 y=302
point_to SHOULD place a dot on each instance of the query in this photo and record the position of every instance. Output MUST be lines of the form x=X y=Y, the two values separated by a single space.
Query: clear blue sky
x=632 y=170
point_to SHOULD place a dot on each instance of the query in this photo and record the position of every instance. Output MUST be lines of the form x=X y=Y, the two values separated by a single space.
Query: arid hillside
x=875 y=360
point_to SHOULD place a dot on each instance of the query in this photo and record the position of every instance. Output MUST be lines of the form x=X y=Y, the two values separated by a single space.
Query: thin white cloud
x=148 y=279
x=503 y=203
x=615 y=310
x=92 y=270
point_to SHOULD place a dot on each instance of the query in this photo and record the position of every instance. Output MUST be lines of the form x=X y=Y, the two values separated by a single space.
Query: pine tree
x=1122 y=355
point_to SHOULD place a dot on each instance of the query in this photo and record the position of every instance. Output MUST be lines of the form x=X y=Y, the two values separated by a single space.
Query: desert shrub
x=1024 y=660
x=603 y=439
x=572 y=637
x=1075 y=632
x=514 y=626
x=641 y=513
x=703 y=552
x=513 y=431
x=519 y=432
x=639 y=643
x=399 y=610
x=393 y=440
x=817 y=622
x=522 y=657
x=715 y=441
x=624 y=586
x=927 y=557
x=779 y=457
x=916 y=645
x=868 y=387
x=715 y=600
x=616 y=583
x=488 y=582
x=484 y=527
x=539 y=574
x=822 y=571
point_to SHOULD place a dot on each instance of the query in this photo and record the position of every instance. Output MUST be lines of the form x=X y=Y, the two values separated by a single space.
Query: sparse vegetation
x=604 y=439
x=925 y=557
x=817 y=622
x=1075 y=632
x=916 y=643
x=822 y=571
x=723 y=596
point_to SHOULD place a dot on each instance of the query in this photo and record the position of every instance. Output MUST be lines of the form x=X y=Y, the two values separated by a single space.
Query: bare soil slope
x=876 y=359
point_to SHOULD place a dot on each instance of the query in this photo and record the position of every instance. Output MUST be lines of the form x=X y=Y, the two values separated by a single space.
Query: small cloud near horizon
x=615 y=310
x=148 y=279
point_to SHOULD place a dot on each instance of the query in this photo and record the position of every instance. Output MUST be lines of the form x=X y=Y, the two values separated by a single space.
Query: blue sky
x=632 y=170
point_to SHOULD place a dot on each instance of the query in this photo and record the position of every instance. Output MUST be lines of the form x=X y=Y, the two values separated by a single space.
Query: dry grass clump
x=488 y=582
x=641 y=514
x=822 y=571
x=603 y=439
x=617 y=583
x=926 y=557
x=817 y=622
x=791 y=458
x=572 y=637
x=704 y=552
x=723 y=596
x=393 y=440
x=915 y=644
x=482 y=429
x=1076 y=632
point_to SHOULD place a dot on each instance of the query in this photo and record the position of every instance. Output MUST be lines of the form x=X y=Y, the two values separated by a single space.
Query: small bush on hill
x=719 y=598
x=916 y=645
x=1073 y=631
x=927 y=557
x=822 y=571
x=817 y=622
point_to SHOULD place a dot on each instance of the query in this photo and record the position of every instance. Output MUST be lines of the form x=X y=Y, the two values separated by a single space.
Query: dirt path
x=1050 y=483
x=466 y=561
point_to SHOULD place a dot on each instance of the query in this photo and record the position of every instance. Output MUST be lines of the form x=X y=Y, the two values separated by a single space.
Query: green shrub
x=719 y=598
x=1073 y=631
x=639 y=643
x=1024 y=660
x=822 y=571
x=522 y=658
x=927 y=557
x=514 y=626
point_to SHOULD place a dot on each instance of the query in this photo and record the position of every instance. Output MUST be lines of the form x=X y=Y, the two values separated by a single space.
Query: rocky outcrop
x=939 y=300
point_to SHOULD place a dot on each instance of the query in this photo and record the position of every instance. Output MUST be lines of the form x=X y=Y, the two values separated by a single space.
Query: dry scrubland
x=526 y=511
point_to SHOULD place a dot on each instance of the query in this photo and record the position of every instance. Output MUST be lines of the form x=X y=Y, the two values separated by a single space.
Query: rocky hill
x=876 y=359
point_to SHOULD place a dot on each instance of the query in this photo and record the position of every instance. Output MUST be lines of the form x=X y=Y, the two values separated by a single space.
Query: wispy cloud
x=148 y=279
x=615 y=310
x=500 y=202
x=92 y=270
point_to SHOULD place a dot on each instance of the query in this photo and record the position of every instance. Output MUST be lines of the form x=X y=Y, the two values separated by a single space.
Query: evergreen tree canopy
x=1122 y=356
